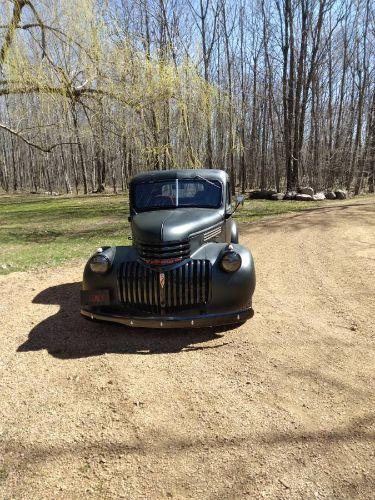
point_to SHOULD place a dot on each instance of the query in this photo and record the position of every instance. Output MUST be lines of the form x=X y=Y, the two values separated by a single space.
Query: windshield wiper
x=197 y=176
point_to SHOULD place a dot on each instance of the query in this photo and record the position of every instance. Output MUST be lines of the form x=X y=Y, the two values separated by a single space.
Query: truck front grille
x=164 y=292
x=173 y=252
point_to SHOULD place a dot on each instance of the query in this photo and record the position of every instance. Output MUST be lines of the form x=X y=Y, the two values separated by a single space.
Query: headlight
x=231 y=261
x=100 y=264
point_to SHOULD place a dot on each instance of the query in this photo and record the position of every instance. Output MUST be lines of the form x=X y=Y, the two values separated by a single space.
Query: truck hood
x=173 y=225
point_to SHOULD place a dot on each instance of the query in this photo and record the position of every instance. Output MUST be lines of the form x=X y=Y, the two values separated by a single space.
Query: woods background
x=279 y=93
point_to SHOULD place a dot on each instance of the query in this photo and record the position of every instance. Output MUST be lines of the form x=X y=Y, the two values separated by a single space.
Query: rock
x=277 y=196
x=306 y=190
x=303 y=197
x=271 y=192
x=260 y=194
x=290 y=195
x=330 y=195
x=138 y=403
x=341 y=194
x=319 y=196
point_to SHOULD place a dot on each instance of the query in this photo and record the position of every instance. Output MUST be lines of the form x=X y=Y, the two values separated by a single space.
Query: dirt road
x=282 y=407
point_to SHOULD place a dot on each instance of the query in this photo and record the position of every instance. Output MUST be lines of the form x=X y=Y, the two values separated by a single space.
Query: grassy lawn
x=41 y=231
x=44 y=231
x=259 y=209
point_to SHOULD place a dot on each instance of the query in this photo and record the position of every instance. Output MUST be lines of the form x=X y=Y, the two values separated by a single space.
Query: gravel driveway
x=282 y=407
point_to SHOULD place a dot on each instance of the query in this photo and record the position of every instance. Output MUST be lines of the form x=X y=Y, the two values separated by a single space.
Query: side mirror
x=240 y=200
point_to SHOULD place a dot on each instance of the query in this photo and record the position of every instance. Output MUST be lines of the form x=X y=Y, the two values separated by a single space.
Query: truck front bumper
x=207 y=320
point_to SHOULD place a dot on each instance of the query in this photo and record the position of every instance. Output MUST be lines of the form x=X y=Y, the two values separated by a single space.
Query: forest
x=279 y=93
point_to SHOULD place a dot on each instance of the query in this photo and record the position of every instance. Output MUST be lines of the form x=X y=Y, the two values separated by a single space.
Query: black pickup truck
x=185 y=268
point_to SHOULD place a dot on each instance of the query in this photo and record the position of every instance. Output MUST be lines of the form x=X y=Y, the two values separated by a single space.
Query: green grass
x=258 y=209
x=42 y=231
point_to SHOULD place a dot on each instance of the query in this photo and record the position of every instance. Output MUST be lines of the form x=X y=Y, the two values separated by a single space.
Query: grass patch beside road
x=42 y=231
x=258 y=209
x=45 y=231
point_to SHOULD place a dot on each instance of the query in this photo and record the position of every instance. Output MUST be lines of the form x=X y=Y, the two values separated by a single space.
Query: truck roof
x=188 y=173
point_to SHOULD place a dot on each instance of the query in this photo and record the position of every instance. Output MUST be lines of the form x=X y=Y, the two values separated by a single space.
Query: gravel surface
x=281 y=407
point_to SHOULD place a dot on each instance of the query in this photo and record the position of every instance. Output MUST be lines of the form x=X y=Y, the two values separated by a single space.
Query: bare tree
x=279 y=92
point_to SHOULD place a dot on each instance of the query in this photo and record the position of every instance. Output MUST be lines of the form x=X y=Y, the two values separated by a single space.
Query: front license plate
x=95 y=297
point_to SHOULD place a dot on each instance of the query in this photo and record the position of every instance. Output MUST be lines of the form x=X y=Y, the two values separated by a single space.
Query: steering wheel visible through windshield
x=174 y=193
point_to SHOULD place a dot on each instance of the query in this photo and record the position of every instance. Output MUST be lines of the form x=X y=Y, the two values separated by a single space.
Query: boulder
x=330 y=195
x=306 y=190
x=290 y=195
x=260 y=194
x=319 y=196
x=277 y=196
x=271 y=192
x=341 y=194
x=303 y=197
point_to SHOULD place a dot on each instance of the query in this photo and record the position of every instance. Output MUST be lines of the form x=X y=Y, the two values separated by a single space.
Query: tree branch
x=16 y=17
x=44 y=149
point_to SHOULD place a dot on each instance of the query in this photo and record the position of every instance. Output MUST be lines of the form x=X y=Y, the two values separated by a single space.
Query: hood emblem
x=162 y=279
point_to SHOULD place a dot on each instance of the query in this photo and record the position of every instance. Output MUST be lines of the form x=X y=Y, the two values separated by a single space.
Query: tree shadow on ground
x=67 y=335
x=357 y=430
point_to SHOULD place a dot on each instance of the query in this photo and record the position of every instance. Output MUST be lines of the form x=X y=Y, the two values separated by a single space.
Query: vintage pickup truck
x=185 y=268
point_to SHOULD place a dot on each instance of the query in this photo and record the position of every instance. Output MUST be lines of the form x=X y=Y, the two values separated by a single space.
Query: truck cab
x=181 y=207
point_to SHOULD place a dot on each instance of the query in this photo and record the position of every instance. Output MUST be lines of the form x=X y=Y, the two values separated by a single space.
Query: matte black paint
x=209 y=232
x=173 y=225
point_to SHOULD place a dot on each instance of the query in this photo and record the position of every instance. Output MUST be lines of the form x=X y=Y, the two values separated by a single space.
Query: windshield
x=174 y=193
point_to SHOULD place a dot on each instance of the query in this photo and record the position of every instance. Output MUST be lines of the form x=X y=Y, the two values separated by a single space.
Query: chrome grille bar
x=163 y=250
x=184 y=287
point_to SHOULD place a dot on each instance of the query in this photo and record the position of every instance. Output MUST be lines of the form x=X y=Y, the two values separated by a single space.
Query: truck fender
x=234 y=233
